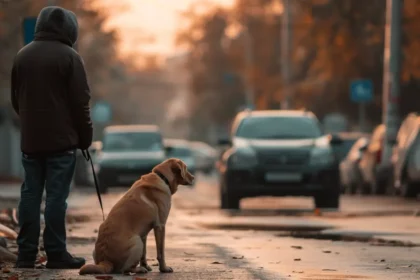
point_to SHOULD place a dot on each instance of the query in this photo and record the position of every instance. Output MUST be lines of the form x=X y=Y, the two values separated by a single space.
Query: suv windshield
x=132 y=141
x=279 y=127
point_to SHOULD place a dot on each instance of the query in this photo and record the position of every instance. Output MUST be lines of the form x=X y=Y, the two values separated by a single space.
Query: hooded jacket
x=49 y=88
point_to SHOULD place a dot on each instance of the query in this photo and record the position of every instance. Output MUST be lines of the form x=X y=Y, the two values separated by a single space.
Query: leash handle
x=87 y=156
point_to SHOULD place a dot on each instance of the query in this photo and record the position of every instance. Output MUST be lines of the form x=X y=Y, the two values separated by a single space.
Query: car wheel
x=408 y=189
x=366 y=188
x=228 y=200
x=329 y=198
x=352 y=189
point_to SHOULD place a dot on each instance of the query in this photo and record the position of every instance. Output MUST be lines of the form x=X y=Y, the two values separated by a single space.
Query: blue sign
x=102 y=112
x=361 y=91
x=28 y=29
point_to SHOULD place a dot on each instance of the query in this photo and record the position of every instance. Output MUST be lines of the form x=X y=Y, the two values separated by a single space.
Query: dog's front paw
x=146 y=266
x=141 y=269
x=166 y=269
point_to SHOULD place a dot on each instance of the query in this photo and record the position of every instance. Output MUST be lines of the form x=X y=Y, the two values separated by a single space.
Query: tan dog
x=121 y=243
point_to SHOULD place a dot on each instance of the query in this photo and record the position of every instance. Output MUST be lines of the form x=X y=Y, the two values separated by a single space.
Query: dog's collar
x=162 y=177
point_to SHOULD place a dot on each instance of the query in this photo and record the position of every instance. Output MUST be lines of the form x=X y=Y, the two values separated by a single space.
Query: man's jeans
x=55 y=173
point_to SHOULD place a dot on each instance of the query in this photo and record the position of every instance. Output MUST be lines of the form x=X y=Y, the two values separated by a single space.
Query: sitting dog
x=121 y=243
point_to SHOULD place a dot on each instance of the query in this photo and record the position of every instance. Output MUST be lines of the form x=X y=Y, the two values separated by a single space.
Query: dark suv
x=278 y=153
x=128 y=152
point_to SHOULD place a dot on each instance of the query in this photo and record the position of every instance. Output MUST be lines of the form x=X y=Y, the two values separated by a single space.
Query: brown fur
x=121 y=243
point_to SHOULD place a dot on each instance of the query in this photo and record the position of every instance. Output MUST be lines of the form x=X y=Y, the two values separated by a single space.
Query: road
x=270 y=238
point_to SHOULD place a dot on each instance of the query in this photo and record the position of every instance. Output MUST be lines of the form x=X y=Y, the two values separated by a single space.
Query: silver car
x=350 y=175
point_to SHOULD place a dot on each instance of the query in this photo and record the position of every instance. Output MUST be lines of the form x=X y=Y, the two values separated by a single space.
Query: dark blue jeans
x=55 y=173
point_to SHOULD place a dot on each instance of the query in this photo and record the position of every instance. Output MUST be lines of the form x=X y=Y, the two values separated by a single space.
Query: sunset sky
x=159 y=18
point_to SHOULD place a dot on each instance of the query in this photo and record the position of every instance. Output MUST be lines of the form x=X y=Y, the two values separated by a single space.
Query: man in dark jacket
x=51 y=95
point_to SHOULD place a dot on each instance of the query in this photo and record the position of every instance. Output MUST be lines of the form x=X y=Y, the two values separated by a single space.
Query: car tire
x=352 y=189
x=228 y=200
x=329 y=198
x=408 y=188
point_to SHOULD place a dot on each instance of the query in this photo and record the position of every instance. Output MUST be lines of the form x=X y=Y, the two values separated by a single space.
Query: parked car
x=205 y=156
x=182 y=150
x=404 y=140
x=406 y=157
x=374 y=175
x=278 y=153
x=347 y=141
x=128 y=152
x=350 y=174
x=83 y=174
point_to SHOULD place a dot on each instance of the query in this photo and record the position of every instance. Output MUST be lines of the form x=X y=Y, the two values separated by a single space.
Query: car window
x=279 y=127
x=180 y=152
x=132 y=141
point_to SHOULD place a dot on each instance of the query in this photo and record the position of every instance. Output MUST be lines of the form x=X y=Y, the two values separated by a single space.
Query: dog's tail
x=103 y=267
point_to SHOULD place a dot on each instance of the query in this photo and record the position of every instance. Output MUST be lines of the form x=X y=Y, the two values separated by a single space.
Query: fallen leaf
x=189 y=260
x=139 y=278
x=326 y=252
x=104 y=277
x=238 y=258
x=42 y=259
x=216 y=263
x=13 y=277
x=406 y=266
x=387 y=267
x=327 y=269
x=297 y=247
x=382 y=260
x=297 y=260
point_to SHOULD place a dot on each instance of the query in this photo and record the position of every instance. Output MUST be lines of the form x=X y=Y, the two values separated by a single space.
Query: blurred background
x=190 y=66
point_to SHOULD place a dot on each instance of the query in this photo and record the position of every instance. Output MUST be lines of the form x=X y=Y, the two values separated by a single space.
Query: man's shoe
x=64 y=261
x=25 y=264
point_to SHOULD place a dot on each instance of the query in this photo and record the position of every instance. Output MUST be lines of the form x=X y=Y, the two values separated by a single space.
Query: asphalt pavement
x=270 y=238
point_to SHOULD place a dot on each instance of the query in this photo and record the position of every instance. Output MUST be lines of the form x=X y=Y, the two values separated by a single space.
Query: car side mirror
x=168 y=149
x=363 y=148
x=335 y=139
x=223 y=142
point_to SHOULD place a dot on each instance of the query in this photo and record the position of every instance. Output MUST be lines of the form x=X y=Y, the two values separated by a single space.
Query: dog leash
x=87 y=156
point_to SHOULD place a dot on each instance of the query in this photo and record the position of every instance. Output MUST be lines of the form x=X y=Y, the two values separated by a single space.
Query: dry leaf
x=296 y=260
x=297 y=247
x=326 y=252
x=216 y=263
x=6 y=270
x=238 y=258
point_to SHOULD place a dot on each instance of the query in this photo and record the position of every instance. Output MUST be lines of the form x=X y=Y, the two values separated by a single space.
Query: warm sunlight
x=158 y=18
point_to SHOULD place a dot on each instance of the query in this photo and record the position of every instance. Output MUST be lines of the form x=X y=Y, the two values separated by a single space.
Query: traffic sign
x=102 y=112
x=28 y=27
x=361 y=91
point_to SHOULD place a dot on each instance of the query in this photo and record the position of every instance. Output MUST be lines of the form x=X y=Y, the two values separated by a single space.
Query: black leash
x=87 y=156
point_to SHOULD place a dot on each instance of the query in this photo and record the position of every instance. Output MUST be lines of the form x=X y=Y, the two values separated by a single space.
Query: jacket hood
x=57 y=24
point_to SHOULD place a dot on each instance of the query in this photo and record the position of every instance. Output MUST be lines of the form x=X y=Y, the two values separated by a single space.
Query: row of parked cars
x=363 y=169
x=130 y=151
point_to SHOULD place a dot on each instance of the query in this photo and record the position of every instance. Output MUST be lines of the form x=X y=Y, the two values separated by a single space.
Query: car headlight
x=322 y=154
x=243 y=159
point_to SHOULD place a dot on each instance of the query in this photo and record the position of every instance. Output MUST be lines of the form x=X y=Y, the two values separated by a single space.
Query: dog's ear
x=180 y=170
